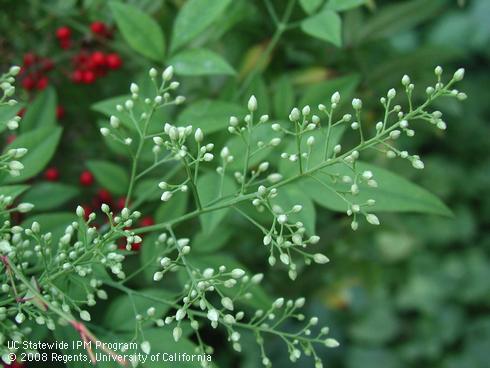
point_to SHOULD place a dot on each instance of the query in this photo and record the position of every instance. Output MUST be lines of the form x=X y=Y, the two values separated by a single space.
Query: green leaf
x=172 y=209
x=320 y=93
x=310 y=6
x=210 y=115
x=194 y=17
x=41 y=144
x=394 y=193
x=41 y=112
x=209 y=190
x=283 y=97
x=120 y=315
x=55 y=223
x=208 y=243
x=394 y=18
x=13 y=190
x=326 y=26
x=340 y=5
x=110 y=176
x=200 y=62
x=147 y=190
x=46 y=196
x=139 y=30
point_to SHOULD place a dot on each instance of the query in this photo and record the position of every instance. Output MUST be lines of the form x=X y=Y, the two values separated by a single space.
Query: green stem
x=192 y=184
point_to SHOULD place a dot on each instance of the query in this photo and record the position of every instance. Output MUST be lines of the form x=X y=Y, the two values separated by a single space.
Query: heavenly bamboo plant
x=34 y=263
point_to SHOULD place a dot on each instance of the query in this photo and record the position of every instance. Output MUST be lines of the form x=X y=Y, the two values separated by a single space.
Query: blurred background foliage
x=414 y=292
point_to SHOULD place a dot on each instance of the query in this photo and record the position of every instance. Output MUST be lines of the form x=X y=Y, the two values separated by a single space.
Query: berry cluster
x=34 y=72
x=89 y=64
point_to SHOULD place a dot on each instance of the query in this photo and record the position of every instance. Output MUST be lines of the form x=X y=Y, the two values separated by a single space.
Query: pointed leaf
x=139 y=30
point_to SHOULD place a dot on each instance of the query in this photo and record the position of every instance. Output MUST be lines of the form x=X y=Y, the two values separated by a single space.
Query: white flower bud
x=25 y=207
x=372 y=219
x=168 y=73
x=15 y=165
x=213 y=315
x=14 y=70
x=134 y=88
x=391 y=93
x=331 y=343
x=335 y=99
x=267 y=239
x=418 y=164
x=459 y=74
x=237 y=273
x=278 y=303
x=294 y=115
x=357 y=103
x=157 y=276
x=264 y=166
x=282 y=219
x=152 y=73
x=129 y=104
x=20 y=317
x=177 y=333
x=105 y=131
x=227 y=303
x=85 y=315
x=320 y=258
x=114 y=121
x=297 y=208
x=310 y=141
x=208 y=157
x=145 y=347
x=438 y=71
x=252 y=103
x=198 y=135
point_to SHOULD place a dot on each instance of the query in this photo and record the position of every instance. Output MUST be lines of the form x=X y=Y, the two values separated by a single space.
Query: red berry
x=88 y=77
x=98 y=58
x=104 y=196
x=60 y=112
x=52 y=174
x=98 y=28
x=86 y=178
x=28 y=83
x=42 y=83
x=29 y=59
x=147 y=221
x=63 y=33
x=113 y=61
x=77 y=76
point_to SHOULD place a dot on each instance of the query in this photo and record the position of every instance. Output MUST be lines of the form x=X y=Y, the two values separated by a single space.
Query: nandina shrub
x=141 y=264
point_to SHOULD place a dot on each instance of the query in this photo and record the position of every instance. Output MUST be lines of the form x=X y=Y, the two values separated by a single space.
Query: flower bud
x=252 y=103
